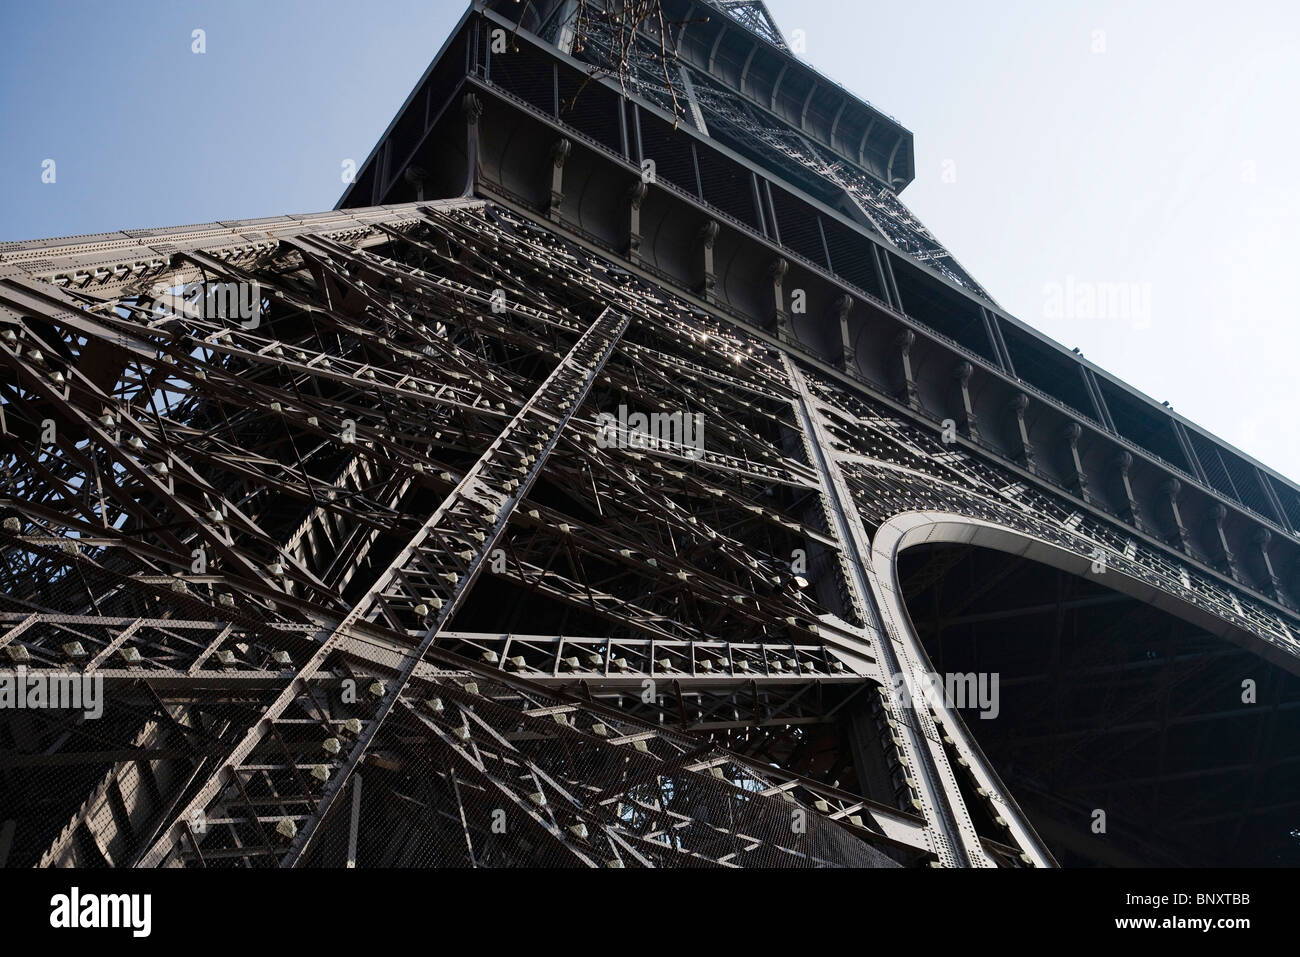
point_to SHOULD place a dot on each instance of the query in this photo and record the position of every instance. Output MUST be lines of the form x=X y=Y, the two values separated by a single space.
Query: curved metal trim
x=776 y=87
x=744 y=70
x=717 y=42
x=909 y=529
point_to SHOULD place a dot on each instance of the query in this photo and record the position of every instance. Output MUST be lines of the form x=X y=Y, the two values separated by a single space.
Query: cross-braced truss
x=379 y=529
x=755 y=15
x=875 y=201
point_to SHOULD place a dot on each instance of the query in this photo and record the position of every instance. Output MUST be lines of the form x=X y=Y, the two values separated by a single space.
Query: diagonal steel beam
x=954 y=835
x=479 y=507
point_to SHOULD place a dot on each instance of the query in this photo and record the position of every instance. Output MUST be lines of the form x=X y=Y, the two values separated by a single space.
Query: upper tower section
x=725 y=68
x=757 y=17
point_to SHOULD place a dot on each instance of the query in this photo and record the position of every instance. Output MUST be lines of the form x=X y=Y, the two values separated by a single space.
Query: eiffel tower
x=622 y=476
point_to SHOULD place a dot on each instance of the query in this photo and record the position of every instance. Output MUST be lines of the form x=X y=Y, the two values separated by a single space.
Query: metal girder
x=618 y=566
x=873 y=194
x=755 y=15
x=953 y=832
x=429 y=579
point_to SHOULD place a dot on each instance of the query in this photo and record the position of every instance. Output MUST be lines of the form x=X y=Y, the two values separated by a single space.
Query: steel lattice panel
x=423 y=571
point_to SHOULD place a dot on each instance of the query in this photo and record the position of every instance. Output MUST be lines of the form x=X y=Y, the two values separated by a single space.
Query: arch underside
x=1129 y=735
x=1193 y=761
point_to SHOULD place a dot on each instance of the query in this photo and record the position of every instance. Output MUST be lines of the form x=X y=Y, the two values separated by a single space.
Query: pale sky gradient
x=1132 y=165
x=1168 y=159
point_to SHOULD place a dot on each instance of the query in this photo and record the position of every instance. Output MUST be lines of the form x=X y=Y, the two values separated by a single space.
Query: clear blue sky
x=1167 y=161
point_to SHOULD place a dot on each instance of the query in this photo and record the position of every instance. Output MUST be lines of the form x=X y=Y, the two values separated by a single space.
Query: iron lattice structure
x=336 y=560
x=692 y=95
x=755 y=15
x=378 y=529
x=227 y=738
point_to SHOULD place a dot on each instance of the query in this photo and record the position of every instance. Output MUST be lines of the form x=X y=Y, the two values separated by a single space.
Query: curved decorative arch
x=911 y=529
x=892 y=482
